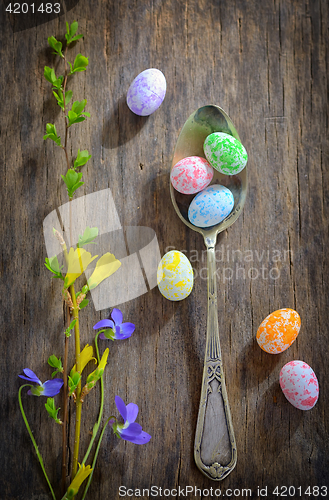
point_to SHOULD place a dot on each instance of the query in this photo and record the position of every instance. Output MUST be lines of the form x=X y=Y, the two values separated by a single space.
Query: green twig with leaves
x=73 y=181
x=76 y=262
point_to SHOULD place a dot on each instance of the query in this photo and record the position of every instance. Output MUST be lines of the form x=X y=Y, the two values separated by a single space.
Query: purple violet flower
x=120 y=330
x=129 y=430
x=49 y=388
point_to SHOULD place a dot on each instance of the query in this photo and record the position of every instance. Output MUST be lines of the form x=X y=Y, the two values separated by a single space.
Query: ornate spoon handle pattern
x=215 y=447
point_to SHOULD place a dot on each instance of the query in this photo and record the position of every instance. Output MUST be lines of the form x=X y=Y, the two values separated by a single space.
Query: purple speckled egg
x=147 y=92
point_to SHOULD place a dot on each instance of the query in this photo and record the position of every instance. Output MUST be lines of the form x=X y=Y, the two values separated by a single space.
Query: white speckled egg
x=211 y=206
x=192 y=174
x=299 y=384
x=175 y=276
x=147 y=92
x=225 y=153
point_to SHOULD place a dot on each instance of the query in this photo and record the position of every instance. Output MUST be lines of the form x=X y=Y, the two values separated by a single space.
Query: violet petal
x=142 y=438
x=52 y=387
x=132 y=430
x=103 y=323
x=121 y=407
x=132 y=412
x=116 y=315
x=127 y=329
x=30 y=376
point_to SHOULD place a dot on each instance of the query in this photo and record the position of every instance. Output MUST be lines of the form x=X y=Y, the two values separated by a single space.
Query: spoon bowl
x=215 y=447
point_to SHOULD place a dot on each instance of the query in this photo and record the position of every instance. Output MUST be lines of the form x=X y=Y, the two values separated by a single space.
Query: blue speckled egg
x=211 y=206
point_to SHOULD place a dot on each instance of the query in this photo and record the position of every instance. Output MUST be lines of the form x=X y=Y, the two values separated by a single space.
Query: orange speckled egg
x=278 y=331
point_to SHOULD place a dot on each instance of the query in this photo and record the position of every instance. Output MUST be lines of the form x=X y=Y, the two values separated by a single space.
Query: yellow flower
x=96 y=374
x=81 y=475
x=105 y=266
x=86 y=355
x=78 y=261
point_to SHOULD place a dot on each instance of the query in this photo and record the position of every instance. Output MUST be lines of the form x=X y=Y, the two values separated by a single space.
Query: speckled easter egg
x=278 y=330
x=225 y=153
x=147 y=92
x=299 y=384
x=211 y=206
x=175 y=276
x=192 y=174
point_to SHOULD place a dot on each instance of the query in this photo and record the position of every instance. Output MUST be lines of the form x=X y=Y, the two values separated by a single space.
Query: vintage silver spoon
x=215 y=447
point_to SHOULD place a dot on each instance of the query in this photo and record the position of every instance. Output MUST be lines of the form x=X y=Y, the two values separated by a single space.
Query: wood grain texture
x=266 y=64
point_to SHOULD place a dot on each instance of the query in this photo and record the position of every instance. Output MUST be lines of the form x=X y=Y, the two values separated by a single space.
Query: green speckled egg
x=225 y=153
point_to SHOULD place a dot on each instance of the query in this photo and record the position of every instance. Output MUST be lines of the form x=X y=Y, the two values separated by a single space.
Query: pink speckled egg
x=147 y=92
x=192 y=174
x=299 y=384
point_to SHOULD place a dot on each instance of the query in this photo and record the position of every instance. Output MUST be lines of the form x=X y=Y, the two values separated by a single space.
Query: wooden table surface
x=266 y=64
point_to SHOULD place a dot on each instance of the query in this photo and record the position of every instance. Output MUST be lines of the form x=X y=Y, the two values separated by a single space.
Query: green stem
x=65 y=392
x=96 y=426
x=65 y=408
x=78 y=390
x=96 y=455
x=32 y=438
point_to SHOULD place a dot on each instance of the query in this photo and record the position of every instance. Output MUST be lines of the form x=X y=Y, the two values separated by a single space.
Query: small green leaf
x=90 y=233
x=53 y=266
x=73 y=381
x=72 y=181
x=70 y=327
x=57 y=84
x=52 y=134
x=59 y=98
x=75 y=38
x=80 y=63
x=73 y=28
x=68 y=96
x=71 y=31
x=79 y=119
x=78 y=106
x=75 y=187
x=82 y=158
x=56 y=45
x=49 y=74
x=52 y=410
x=74 y=115
x=84 y=303
x=55 y=362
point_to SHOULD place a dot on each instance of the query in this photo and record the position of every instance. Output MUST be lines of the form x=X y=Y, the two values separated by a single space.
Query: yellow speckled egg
x=278 y=331
x=175 y=276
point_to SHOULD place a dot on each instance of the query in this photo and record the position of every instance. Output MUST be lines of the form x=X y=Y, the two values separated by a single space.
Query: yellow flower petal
x=96 y=374
x=105 y=266
x=78 y=261
x=103 y=361
x=86 y=355
x=81 y=475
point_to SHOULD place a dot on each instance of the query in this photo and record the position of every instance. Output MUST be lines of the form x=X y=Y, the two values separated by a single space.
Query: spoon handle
x=214 y=447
